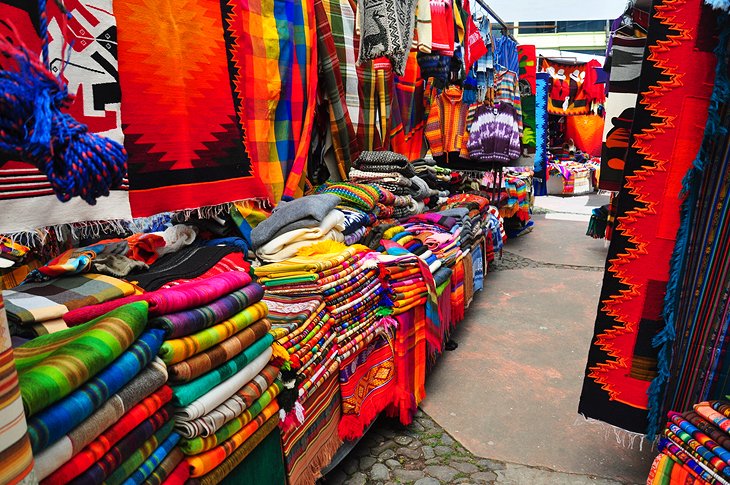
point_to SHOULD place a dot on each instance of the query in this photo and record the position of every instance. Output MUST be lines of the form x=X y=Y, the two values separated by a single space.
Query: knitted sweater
x=446 y=122
x=495 y=134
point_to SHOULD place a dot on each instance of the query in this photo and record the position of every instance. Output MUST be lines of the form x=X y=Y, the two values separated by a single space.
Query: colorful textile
x=162 y=302
x=219 y=354
x=622 y=361
x=101 y=445
x=52 y=366
x=586 y=131
x=693 y=360
x=541 y=133
x=386 y=30
x=148 y=382
x=127 y=446
x=367 y=384
x=177 y=350
x=569 y=90
x=90 y=71
x=38 y=302
x=184 y=394
x=231 y=408
x=199 y=445
x=191 y=321
x=166 y=468
x=528 y=88
x=16 y=455
x=49 y=425
x=205 y=462
x=135 y=460
x=310 y=447
x=153 y=461
x=185 y=151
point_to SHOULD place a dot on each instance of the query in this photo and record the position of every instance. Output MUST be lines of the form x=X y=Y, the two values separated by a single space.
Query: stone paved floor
x=424 y=454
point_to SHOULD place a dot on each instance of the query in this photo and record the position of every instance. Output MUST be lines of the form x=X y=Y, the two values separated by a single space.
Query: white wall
x=537 y=10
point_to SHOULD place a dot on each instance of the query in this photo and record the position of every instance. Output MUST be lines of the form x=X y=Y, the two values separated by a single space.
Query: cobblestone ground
x=424 y=454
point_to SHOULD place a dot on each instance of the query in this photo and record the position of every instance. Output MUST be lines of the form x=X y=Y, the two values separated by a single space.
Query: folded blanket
x=136 y=459
x=180 y=475
x=201 y=396
x=362 y=196
x=333 y=220
x=166 y=468
x=49 y=425
x=205 y=462
x=162 y=302
x=217 y=355
x=231 y=408
x=191 y=321
x=177 y=350
x=101 y=445
x=52 y=366
x=314 y=207
x=127 y=446
x=37 y=302
x=199 y=445
x=153 y=461
x=146 y=383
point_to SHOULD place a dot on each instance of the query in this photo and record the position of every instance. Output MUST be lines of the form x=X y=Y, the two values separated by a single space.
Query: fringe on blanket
x=626 y=439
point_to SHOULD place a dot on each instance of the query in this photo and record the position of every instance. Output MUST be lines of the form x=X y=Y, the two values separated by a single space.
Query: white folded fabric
x=286 y=245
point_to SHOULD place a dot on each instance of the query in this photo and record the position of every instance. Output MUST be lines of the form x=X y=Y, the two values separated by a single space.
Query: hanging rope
x=33 y=128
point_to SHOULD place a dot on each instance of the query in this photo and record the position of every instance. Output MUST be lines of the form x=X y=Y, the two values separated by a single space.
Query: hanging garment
x=446 y=122
x=507 y=90
x=442 y=27
x=494 y=134
x=386 y=30
x=505 y=54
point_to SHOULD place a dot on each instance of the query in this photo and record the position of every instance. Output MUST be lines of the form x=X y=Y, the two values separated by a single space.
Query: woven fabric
x=15 y=451
x=90 y=72
x=184 y=151
x=179 y=475
x=198 y=445
x=49 y=425
x=38 y=302
x=541 y=133
x=205 y=462
x=191 y=321
x=140 y=455
x=184 y=394
x=622 y=361
x=127 y=446
x=310 y=447
x=219 y=354
x=145 y=384
x=162 y=302
x=166 y=467
x=527 y=75
x=386 y=30
x=141 y=474
x=52 y=366
x=367 y=384
x=177 y=350
x=101 y=445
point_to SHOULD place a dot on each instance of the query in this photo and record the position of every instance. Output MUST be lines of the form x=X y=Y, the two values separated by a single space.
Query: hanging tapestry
x=625 y=70
x=27 y=201
x=408 y=111
x=586 y=131
x=695 y=342
x=569 y=90
x=673 y=102
x=185 y=147
x=15 y=452
x=542 y=86
x=528 y=70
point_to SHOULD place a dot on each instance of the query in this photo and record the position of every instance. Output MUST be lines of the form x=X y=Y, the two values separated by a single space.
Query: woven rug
x=626 y=61
x=673 y=103
x=410 y=365
x=528 y=72
x=310 y=447
x=185 y=145
x=694 y=357
x=542 y=86
x=91 y=73
x=15 y=452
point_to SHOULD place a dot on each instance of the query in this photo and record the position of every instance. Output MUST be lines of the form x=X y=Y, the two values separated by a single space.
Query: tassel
x=280 y=351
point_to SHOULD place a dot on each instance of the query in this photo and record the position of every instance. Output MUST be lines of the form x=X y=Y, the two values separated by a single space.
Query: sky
x=536 y=10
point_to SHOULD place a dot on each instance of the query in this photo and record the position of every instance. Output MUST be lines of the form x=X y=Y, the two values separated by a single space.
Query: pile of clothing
x=695 y=446
x=359 y=204
x=297 y=224
x=570 y=177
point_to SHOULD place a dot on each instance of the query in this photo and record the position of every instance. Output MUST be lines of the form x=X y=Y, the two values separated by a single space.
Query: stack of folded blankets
x=296 y=224
x=406 y=192
x=694 y=447
x=96 y=399
x=437 y=178
x=359 y=204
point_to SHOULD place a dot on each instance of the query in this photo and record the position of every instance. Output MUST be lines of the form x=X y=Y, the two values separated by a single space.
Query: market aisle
x=510 y=391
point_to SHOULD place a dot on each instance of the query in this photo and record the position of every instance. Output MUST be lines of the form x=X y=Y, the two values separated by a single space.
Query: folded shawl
x=153 y=461
x=101 y=445
x=136 y=459
x=177 y=350
x=231 y=408
x=219 y=354
x=184 y=394
x=205 y=462
x=190 y=321
x=180 y=475
x=52 y=423
x=170 y=300
x=166 y=468
x=147 y=382
x=217 y=395
x=52 y=366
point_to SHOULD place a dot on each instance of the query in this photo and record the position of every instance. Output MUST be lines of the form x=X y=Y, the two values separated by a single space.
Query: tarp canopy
x=534 y=11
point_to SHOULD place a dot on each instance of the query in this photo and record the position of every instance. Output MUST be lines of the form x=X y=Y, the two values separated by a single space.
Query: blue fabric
x=146 y=468
x=51 y=424
x=505 y=54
